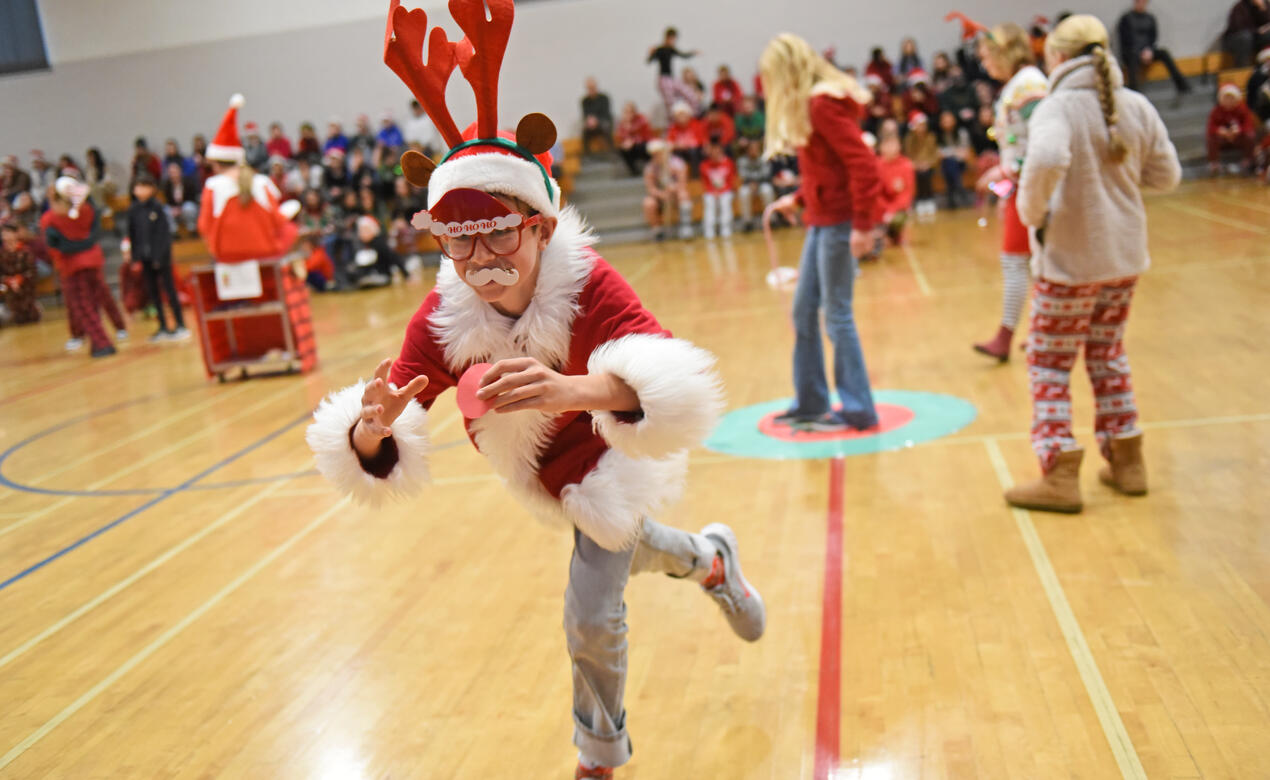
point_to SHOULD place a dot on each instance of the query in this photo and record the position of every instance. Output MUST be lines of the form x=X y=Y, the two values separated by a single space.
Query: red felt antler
x=480 y=54
x=969 y=27
x=403 y=52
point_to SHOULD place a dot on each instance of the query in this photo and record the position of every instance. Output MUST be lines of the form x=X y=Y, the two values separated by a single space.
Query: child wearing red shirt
x=727 y=92
x=686 y=135
x=632 y=135
x=1231 y=126
x=899 y=182
x=718 y=182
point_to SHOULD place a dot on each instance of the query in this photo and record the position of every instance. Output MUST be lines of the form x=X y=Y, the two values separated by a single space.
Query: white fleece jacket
x=1095 y=225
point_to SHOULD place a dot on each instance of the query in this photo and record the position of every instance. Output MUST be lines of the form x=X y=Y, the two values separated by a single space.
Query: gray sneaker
x=738 y=599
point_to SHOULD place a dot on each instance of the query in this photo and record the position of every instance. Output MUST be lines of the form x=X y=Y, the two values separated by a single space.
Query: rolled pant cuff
x=611 y=751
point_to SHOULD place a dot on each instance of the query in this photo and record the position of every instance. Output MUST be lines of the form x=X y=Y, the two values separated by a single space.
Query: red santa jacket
x=721 y=130
x=602 y=472
x=718 y=175
x=728 y=95
x=1239 y=116
x=235 y=232
x=899 y=182
x=76 y=229
x=689 y=136
x=839 y=171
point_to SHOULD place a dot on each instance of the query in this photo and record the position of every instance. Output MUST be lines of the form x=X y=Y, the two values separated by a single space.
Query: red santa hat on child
x=916 y=118
x=918 y=76
x=1230 y=89
x=483 y=157
x=226 y=147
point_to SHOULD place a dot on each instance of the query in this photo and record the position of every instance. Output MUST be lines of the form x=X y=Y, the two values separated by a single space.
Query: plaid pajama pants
x=1065 y=320
x=85 y=290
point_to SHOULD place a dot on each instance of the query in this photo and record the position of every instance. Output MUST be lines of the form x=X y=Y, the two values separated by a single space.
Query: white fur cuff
x=679 y=393
x=328 y=437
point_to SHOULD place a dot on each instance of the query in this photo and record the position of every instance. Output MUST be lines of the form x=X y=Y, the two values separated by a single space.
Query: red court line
x=828 y=707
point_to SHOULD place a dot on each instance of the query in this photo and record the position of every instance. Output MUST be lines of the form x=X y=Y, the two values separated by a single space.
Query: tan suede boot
x=1057 y=491
x=1126 y=472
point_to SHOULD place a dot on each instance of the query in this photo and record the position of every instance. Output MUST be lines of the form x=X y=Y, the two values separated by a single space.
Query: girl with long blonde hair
x=1094 y=147
x=1006 y=54
x=814 y=111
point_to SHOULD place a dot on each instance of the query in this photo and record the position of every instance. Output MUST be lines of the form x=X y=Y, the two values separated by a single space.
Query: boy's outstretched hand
x=524 y=383
x=382 y=404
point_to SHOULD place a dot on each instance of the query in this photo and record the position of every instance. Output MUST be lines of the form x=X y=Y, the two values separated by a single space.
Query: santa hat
x=916 y=118
x=970 y=29
x=225 y=146
x=251 y=128
x=483 y=157
x=874 y=80
x=1263 y=55
x=918 y=76
x=1230 y=89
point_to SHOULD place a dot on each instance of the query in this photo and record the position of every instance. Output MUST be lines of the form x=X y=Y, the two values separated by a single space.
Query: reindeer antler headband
x=486 y=25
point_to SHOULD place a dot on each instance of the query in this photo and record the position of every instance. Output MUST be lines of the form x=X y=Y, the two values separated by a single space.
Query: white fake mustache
x=483 y=276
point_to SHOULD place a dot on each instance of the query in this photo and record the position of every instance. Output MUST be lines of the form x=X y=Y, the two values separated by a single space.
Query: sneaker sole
x=733 y=570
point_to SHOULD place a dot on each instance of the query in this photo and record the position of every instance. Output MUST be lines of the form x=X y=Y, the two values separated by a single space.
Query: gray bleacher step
x=612 y=211
x=630 y=235
x=602 y=168
x=602 y=188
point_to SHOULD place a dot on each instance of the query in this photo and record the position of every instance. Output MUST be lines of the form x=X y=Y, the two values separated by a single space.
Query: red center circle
x=890 y=417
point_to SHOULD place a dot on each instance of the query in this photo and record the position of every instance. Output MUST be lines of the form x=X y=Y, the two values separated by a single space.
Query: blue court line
x=166 y=494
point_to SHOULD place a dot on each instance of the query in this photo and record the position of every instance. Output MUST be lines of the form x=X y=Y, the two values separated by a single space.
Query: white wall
x=165 y=68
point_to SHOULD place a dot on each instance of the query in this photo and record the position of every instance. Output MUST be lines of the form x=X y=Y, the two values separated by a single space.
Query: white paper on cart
x=235 y=281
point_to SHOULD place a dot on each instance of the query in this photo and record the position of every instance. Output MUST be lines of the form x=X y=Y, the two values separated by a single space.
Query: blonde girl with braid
x=1093 y=147
x=1006 y=53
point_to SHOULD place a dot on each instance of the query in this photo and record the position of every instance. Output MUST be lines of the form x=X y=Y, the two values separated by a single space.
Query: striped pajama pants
x=1065 y=320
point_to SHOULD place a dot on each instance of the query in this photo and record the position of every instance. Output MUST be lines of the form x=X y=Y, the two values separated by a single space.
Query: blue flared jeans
x=826 y=280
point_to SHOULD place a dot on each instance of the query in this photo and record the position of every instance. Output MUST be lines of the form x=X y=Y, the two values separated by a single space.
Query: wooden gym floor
x=182 y=597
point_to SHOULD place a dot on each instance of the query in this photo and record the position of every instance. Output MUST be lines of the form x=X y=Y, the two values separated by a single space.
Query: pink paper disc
x=469 y=405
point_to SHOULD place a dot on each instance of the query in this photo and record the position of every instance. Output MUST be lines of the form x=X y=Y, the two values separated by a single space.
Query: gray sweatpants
x=595 y=627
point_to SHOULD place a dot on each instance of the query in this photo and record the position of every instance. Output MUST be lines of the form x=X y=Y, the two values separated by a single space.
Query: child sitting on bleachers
x=756 y=179
x=718 y=181
x=750 y=122
x=719 y=127
x=633 y=134
x=1231 y=125
x=921 y=149
x=666 y=187
x=954 y=154
x=17 y=279
x=686 y=135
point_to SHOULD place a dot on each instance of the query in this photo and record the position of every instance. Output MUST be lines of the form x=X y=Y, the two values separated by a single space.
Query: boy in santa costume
x=241 y=216
x=594 y=404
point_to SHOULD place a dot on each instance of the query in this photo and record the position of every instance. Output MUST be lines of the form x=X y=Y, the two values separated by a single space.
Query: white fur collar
x=472 y=331
x=225 y=186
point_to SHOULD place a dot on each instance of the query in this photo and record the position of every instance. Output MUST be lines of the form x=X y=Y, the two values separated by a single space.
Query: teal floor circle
x=934 y=415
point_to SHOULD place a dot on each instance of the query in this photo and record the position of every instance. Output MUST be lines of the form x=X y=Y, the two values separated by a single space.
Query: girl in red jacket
x=814 y=109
